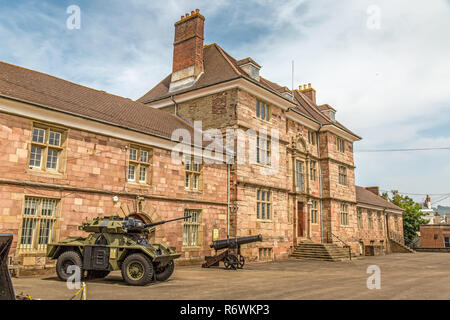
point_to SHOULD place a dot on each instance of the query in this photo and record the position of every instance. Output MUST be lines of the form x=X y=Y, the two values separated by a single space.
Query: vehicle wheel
x=137 y=270
x=164 y=273
x=97 y=274
x=66 y=259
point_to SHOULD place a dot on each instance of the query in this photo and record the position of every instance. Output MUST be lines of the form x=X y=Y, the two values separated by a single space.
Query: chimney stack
x=309 y=92
x=187 y=50
x=374 y=190
x=437 y=218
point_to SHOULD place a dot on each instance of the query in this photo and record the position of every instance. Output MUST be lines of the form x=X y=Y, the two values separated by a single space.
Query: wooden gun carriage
x=231 y=257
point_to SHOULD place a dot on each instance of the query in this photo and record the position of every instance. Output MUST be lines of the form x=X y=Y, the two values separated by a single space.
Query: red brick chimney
x=187 y=50
x=374 y=190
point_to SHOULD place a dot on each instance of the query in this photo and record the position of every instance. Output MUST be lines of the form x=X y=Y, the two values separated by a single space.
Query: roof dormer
x=329 y=111
x=250 y=67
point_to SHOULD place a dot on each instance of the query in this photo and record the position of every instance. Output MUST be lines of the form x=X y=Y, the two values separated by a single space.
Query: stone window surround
x=344 y=215
x=265 y=254
x=314 y=212
x=359 y=217
x=193 y=224
x=137 y=163
x=340 y=144
x=312 y=137
x=312 y=170
x=343 y=177
x=46 y=147
x=267 y=111
x=192 y=174
x=37 y=227
x=267 y=204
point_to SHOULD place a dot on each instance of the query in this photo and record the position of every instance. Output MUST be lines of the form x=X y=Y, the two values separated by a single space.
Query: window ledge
x=262 y=120
x=193 y=191
x=191 y=248
x=135 y=184
x=264 y=220
x=43 y=173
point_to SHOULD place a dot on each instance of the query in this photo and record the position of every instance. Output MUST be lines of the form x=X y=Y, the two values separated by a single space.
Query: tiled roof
x=219 y=67
x=42 y=89
x=367 y=197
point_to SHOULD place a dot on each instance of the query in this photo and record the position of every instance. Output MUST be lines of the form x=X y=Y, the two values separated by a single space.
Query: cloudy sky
x=384 y=65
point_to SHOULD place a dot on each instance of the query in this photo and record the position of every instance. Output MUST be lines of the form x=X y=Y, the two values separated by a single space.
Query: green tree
x=412 y=216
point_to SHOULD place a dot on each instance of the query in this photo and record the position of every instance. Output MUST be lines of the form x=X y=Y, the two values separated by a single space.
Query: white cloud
x=388 y=85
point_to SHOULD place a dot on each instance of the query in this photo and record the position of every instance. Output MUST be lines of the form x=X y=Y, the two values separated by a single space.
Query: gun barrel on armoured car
x=115 y=243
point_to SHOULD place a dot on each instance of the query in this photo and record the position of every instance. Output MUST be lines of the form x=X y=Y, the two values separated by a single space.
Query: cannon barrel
x=234 y=243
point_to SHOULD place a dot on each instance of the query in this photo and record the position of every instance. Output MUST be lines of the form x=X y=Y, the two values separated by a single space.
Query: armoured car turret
x=115 y=243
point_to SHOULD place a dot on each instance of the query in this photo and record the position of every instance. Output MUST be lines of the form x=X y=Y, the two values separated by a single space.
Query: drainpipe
x=228 y=200
x=386 y=223
x=175 y=105
x=320 y=185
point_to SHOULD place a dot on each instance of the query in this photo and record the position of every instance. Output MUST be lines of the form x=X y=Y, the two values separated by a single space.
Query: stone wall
x=94 y=169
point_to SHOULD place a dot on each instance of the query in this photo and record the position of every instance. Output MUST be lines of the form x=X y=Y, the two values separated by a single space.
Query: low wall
x=433 y=250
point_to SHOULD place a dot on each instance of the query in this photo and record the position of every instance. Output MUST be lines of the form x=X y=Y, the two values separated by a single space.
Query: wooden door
x=300 y=220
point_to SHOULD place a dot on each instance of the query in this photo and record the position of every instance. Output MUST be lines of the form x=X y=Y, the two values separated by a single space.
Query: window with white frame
x=340 y=144
x=314 y=212
x=139 y=165
x=46 y=148
x=263 y=110
x=38 y=222
x=396 y=223
x=193 y=173
x=263 y=150
x=299 y=175
x=263 y=204
x=191 y=228
x=344 y=214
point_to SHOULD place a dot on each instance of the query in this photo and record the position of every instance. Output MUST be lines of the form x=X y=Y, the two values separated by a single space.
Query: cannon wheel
x=241 y=262
x=231 y=262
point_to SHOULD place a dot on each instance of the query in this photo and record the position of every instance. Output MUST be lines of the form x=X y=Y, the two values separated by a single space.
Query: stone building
x=71 y=153
x=312 y=194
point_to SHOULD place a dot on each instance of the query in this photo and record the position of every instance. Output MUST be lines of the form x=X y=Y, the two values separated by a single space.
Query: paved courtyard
x=403 y=276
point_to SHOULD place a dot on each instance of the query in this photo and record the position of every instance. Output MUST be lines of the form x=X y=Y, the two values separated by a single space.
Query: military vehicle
x=115 y=243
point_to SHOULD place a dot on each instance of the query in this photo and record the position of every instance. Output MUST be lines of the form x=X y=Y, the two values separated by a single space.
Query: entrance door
x=300 y=220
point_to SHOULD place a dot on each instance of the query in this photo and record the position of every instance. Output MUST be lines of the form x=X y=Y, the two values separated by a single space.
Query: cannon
x=6 y=287
x=231 y=257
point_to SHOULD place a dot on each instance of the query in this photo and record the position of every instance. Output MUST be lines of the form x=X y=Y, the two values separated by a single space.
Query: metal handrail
x=396 y=236
x=345 y=245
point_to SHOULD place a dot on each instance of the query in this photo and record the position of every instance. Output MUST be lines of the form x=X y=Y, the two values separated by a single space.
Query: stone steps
x=320 y=251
